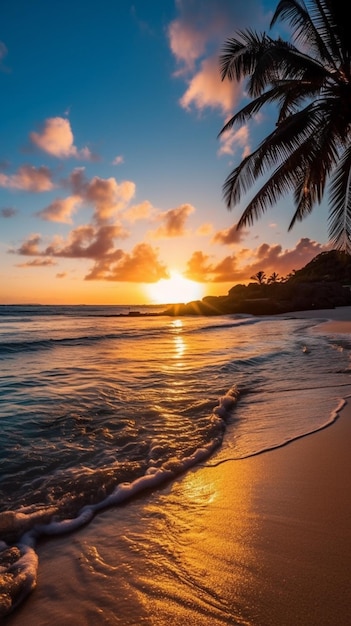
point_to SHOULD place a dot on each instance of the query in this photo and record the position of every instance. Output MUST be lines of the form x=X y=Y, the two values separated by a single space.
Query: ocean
x=99 y=404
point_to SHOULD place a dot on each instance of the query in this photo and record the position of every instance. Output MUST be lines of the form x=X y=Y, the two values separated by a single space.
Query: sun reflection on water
x=179 y=343
x=177 y=324
x=179 y=347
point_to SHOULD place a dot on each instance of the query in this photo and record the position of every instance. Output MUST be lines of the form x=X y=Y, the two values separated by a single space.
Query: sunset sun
x=174 y=289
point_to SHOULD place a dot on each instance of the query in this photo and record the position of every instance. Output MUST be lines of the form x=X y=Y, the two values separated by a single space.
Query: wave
x=38 y=310
x=15 y=347
x=32 y=345
x=23 y=529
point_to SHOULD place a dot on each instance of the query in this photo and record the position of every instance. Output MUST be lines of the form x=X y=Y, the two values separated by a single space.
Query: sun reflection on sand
x=200 y=492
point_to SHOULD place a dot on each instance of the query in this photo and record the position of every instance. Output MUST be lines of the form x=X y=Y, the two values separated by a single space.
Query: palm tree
x=309 y=151
x=273 y=278
x=259 y=277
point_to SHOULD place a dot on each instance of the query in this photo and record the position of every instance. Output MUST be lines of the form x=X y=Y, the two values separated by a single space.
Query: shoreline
x=270 y=535
x=265 y=541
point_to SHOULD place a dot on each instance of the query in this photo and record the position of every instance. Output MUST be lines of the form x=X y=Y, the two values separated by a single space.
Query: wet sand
x=264 y=541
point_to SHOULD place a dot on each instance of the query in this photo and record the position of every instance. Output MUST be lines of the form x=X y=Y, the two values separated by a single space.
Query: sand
x=264 y=541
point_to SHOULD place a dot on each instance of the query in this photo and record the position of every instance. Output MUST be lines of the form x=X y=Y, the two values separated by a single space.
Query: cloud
x=229 y=236
x=141 y=211
x=30 y=247
x=105 y=194
x=118 y=160
x=196 y=38
x=173 y=222
x=141 y=265
x=108 y=196
x=239 y=267
x=60 y=210
x=56 y=138
x=38 y=263
x=206 y=89
x=3 y=50
x=8 y=212
x=199 y=267
x=3 y=54
x=186 y=43
x=230 y=140
x=84 y=242
x=274 y=259
x=28 y=178
x=205 y=229
x=88 y=242
x=97 y=243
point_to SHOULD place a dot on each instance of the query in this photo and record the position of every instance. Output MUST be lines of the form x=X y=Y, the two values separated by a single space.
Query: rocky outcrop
x=324 y=283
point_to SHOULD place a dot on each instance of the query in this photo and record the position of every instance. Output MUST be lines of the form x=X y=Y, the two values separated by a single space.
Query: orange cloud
x=196 y=30
x=141 y=265
x=229 y=236
x=206 y=89
x=196 y=38
x=30 y=247
x=186 y=43
x=37 y=263
x=28 y=178
x=199 y=267
x=269 y=259
x=60 y=210
x=88 y=242
x=205 y=229
x=140 y=211
x=106 y=194
x=56 y=138
x=173 y=222
x=111 y=264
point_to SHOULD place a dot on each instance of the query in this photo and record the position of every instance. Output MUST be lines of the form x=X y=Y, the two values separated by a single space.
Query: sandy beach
x=265 y=541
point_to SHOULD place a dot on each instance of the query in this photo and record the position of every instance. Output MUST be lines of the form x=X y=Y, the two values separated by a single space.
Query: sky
x=111 y=168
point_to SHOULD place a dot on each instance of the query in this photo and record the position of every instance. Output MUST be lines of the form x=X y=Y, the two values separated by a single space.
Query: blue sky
x=111 y=169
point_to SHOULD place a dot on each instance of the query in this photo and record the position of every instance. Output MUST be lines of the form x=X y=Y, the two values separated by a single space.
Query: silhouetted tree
x=260 y=277
x=273 y=278
x=309 y=150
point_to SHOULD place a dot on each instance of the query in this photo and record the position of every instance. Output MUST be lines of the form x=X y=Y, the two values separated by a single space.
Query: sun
x=174 y=289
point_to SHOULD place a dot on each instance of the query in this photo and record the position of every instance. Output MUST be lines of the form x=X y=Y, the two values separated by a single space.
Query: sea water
x=100 y=403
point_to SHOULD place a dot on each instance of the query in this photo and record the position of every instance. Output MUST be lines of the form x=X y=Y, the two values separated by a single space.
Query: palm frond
x=247 y=112
x=311 y=87
x=239 y=56
x=305 y=30
x=283 y=180
x=276 y=94
x=304 y=200
x=278 y=147
x=302 y=172
x=340 y=204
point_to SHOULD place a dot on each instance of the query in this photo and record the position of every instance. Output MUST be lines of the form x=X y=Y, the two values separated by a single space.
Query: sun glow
x=174 y=290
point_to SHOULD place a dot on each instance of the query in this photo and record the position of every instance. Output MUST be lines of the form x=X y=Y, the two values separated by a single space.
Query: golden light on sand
x=175 y=289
